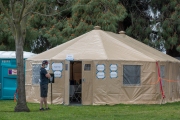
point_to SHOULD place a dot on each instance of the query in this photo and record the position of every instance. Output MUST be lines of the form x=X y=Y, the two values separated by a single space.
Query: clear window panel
x=162 y=72
x=36 y=73
x=66 y=67
x=131 y=74
x=87 y=67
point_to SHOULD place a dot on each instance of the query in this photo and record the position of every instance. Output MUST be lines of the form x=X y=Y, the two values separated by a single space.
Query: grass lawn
x=169 y=111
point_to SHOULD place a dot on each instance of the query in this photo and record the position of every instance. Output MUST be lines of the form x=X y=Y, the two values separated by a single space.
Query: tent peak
x=97 y=28
x=121 y=32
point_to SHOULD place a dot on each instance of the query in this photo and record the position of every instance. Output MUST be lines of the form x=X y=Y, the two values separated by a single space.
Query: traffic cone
x=15 y=97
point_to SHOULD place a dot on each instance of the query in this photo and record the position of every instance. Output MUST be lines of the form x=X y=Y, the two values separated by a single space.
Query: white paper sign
x=100 y=67
x=113 y=67
x=57 y=74
x=69 y=57
x=113 y=74
x=100 y=75
x=57 y=66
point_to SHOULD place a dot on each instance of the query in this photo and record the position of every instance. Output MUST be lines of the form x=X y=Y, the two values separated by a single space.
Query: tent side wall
x=107 y=88
x=109 y=91
x=112 y=90
x=32 y=87
x=170 y=79
x=175 y=81
x=32 y=83
x=58 y=86
x=172 y=82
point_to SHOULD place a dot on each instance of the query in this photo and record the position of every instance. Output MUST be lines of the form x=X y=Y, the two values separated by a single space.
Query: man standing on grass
x=44 y=80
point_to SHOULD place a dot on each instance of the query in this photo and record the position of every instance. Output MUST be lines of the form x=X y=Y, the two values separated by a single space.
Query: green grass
x=169 y=111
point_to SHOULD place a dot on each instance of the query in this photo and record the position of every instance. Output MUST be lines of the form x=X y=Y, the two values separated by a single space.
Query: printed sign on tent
x=113 y=74
x=57 y=74
x=100 y=67
x=100 y=75
x=69 y=57
x=57 y=66
x=113 y=67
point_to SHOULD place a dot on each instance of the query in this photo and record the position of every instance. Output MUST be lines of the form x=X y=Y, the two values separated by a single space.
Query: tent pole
x=51 y=92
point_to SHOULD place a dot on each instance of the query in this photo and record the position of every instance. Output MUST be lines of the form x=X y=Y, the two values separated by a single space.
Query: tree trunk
x=21 y=102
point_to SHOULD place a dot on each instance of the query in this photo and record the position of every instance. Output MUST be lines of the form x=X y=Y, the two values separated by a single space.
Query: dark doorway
x=75 y=82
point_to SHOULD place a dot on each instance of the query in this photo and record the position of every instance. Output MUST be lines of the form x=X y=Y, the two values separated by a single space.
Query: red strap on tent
x=159 y=77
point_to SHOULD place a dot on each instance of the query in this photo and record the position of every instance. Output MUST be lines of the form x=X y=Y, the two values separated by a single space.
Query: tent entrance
x=75 y=83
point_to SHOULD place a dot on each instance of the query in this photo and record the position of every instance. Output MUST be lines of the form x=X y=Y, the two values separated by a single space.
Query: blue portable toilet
x=8 y=73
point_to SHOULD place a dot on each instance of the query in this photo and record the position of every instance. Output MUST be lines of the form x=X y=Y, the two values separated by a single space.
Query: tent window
x=162 y=72
x=162 y=68
x=131 y=74
x=87 y=67
x=36 y=74
x=66 y=67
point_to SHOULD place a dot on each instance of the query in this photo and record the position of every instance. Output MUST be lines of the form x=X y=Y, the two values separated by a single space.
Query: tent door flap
x=87 y=82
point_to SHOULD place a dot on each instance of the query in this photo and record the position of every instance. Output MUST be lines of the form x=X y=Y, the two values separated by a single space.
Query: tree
x=16 y=13
x=48 y=28
x=16 y=17
x=132 y=16
x=168 y=25
x=88 y=13
x=39 y=27
x=138 y=22
x=6 y=38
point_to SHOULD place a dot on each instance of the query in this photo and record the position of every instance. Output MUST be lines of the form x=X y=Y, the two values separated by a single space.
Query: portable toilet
x=8 y=73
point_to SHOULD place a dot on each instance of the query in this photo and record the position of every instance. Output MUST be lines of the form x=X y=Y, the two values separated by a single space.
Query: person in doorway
x=44 y=80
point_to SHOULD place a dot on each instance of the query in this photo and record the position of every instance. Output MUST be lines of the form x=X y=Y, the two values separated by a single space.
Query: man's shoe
x=41 y=109
x=48 y=108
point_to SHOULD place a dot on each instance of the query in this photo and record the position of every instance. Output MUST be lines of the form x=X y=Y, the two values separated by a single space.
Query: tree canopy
x=168 y=29
x=6 y=38
x=153 y=23
x=44 y=25
x=85 y=14
x=138 y=22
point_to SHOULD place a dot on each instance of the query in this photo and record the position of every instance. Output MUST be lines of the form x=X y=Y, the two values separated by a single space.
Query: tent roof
x=12 y=54
x=102 y=45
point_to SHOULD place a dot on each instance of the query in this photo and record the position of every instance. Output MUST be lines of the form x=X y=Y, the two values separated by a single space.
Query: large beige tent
x=109 y=68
